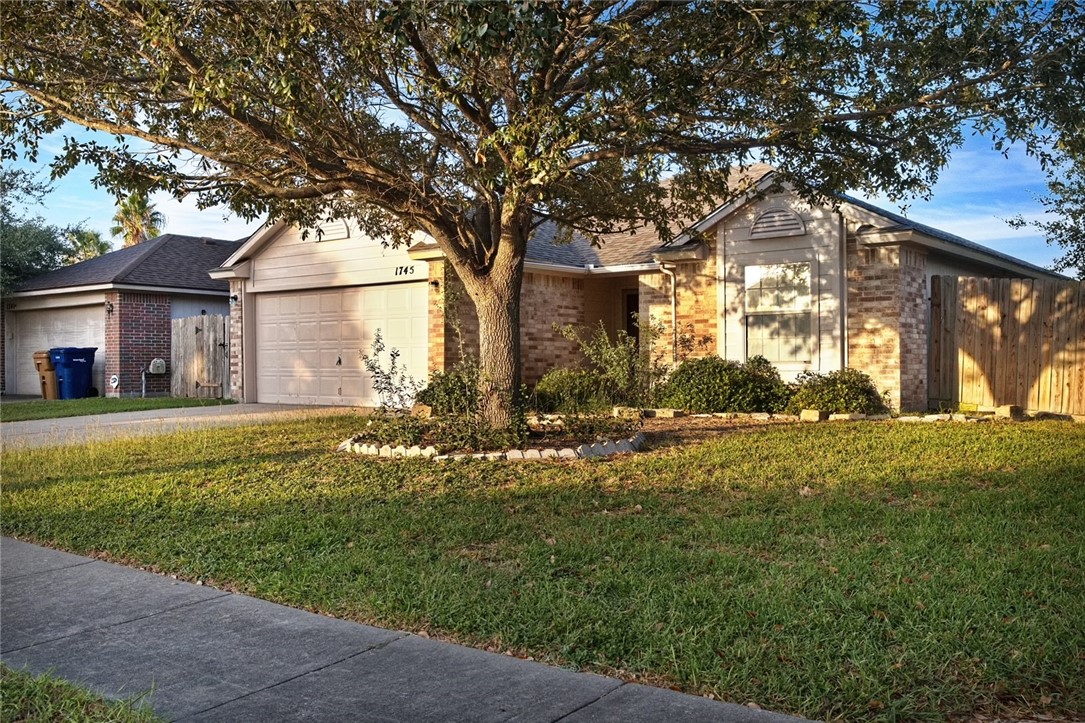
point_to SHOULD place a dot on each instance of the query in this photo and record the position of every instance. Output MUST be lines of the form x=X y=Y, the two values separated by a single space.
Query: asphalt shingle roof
x=170 y=260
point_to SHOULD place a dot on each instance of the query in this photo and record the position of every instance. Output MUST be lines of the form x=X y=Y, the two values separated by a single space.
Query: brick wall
x=696 y=305
x=545 y=300
x=136 y=332
x=453 y=323
x=887 y=320
x=237 y=342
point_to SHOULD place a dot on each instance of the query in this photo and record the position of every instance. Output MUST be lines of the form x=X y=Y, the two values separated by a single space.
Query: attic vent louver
x=331 y=231
x=777 y=222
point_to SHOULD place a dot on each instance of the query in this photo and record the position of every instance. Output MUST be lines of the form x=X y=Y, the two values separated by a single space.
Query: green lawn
x=27 y=698
x=21 y=411
x=859 y=571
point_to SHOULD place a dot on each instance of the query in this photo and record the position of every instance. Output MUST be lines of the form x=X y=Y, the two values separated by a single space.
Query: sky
x=977 y=191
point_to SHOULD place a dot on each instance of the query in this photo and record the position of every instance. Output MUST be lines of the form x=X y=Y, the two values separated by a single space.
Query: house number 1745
x=404 y=270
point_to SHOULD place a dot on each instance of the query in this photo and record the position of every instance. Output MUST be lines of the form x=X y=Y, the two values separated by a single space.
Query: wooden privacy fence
x=1007 y=341
x=200 y=352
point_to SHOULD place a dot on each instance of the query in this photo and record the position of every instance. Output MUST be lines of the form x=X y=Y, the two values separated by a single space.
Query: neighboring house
x=808 y=287
x=122 y=303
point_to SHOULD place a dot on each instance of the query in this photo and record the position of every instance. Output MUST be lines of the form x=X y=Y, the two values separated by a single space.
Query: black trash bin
x=73 y=365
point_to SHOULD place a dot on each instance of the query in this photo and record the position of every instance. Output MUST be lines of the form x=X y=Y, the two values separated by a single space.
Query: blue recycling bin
x=73 y=365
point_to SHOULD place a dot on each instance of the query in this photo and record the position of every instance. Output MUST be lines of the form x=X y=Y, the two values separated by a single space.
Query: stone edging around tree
x=583 y=451
x=636 y=442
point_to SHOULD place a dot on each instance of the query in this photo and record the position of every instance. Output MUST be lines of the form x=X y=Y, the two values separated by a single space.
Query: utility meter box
x=158 y=366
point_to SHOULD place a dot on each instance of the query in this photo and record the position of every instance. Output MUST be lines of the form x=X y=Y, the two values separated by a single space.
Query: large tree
x=476 y=121
x=28 y=245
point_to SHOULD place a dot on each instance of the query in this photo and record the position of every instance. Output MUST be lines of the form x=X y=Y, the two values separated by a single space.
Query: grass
x=44 y=699
x=20 y=411
x=863 y=571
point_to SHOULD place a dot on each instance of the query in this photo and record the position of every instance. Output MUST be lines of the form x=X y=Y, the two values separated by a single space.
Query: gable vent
x=777 y=222
x=330 y=231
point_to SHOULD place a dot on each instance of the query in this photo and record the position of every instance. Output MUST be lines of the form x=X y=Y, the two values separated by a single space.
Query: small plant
x=453 y=392
x=712 y=384
x=568 y=390
x=598 y=427
x=401 y=429
x=626 y=371
x=689 y=341
x=844 y=391
x=395 y=388
x=454 y=397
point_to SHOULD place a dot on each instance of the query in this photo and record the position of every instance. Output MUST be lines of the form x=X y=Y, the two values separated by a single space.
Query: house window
x=778 y=316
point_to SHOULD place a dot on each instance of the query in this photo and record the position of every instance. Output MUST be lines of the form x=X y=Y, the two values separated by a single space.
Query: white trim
x=260 y=237
x=238 y=271
x=625 y=268
x=116 y=287
x=725 y=210
x=591 y=270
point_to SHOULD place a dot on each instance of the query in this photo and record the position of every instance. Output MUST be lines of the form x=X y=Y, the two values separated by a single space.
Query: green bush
x=712 y=384
x=845 y=391
x=568 y=390
x=625 y=370
x=453 y=392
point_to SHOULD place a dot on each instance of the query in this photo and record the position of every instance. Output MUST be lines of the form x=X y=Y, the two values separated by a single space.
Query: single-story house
x=122 y=303
x=809 y=287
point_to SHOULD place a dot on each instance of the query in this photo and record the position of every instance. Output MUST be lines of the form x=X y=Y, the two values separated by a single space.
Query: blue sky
x=976 y=192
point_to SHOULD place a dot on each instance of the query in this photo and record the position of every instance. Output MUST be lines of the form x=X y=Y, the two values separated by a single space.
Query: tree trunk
x=496 y=295
x=499 y=354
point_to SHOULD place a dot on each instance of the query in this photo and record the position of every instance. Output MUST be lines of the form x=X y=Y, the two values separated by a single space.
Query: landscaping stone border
x=636 y=442
x=583 y=451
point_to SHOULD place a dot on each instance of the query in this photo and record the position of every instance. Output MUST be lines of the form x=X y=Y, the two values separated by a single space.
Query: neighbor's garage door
x=309 y=344
x=32 y=331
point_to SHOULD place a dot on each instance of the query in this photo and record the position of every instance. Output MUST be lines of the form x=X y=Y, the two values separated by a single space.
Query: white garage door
x=33 y=331
x=309 y=344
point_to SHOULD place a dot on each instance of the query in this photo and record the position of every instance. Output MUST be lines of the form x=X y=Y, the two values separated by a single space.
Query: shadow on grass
x=883 y=593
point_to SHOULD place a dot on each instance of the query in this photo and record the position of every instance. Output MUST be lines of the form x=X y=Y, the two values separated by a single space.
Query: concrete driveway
x=74 y=430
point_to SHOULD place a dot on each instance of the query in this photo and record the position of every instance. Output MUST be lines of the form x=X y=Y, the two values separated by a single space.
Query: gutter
x=117 y=287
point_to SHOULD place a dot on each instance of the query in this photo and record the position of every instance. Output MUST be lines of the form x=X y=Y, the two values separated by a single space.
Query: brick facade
x=887 y=320
x=137 y=331
x=545 y=300
x=696 y=304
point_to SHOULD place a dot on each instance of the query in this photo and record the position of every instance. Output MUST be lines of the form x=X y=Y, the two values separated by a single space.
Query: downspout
x=669 y=272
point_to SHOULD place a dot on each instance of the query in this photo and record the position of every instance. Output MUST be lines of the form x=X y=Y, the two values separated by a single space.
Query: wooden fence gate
x=1007 y=341
x=201 y=348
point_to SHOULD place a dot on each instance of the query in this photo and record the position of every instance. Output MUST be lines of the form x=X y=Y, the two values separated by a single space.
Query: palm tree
x=137 y=220
x=85 y=244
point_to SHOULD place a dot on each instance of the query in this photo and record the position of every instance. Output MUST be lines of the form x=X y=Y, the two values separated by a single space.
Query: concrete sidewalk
x=209 y=655
x=75 y=430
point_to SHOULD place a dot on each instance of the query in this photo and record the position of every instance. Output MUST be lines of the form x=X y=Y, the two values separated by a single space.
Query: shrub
x=453 y=392
x=712 y=384
x=568 y=390
x=844 y=391
x=395 y=388
x=625 y=372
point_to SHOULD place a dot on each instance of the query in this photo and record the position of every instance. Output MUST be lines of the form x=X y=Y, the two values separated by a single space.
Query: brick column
x=887 y=320
x=449 y=307
x=137 y=331
x=237 y=341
